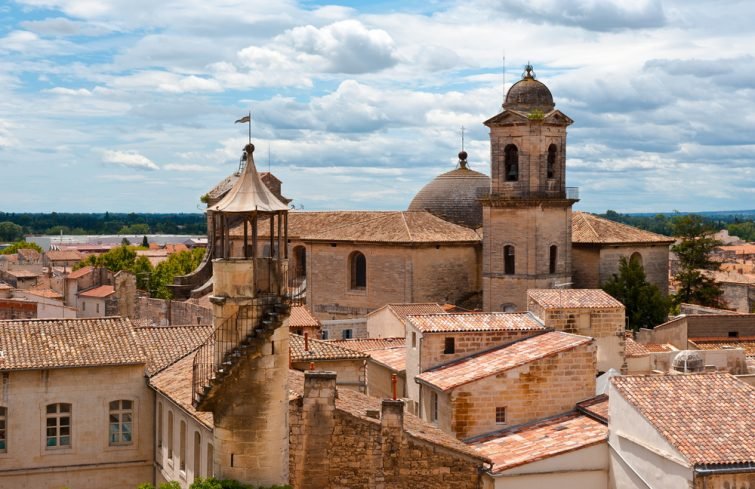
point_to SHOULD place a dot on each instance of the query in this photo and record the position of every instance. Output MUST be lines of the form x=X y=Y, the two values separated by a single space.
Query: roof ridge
x=406 y=225
x=589 y=225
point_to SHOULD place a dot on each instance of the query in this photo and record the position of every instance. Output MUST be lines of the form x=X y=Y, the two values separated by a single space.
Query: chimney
x=312 y=447
x=392 y=414
x=391 y=431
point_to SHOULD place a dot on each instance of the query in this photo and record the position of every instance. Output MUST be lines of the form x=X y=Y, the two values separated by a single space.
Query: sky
x=129 y=105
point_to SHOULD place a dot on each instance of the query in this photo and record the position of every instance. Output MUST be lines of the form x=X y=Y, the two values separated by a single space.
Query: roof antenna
x=268 y=156
x=462 y=153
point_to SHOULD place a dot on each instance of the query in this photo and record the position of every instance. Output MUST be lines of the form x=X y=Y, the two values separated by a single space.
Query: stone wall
x=395 y=274
x=655 y=260
x=536 y=390
x=338 y=449
x=585 y=266
x=739 y=297
x=165 y=313
x=465 y=343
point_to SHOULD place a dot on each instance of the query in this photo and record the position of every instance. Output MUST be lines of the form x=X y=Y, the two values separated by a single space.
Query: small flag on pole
x=244 y=119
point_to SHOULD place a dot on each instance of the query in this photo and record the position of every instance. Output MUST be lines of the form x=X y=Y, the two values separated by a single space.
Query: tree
x=694 y=251
x=145 y=241
x=10 y=231
x=646 y=306
x=20 y=245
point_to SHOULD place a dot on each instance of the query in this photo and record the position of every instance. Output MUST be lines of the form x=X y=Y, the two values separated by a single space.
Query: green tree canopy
x=646 y=306
x=694 y=252
x=10 y=231
x=18 y=245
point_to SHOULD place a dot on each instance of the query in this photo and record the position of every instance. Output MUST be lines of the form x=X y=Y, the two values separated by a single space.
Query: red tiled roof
x=589 y=228
x=320 y=350
x=634 y=349
x=21 y=273
x=542 y=439
x=573 y=298
x=370 y=344
x=393 y=358
x=98 y=292
x=63 y=255
x=657 y=347
x=301 y=317
x=175 y=383
x=164 y=345
x=45 y=292
x=80 y=272
x=59 y=343
x=709 y=418
x=417 y=309
x=596 y=407
x=747 y=343
x=500 y=359
x=503 y=321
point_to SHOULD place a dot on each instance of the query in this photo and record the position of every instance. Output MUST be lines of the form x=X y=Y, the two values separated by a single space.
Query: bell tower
x=527 y=214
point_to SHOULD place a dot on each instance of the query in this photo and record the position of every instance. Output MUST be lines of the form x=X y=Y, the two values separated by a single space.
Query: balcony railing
x=512 y=191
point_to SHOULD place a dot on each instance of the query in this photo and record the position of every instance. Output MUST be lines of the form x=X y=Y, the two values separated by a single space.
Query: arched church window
x=636 y=259
x=553 y=259
x=511 y=163
x=358 y=270
x=509 y=260
x=551 y=170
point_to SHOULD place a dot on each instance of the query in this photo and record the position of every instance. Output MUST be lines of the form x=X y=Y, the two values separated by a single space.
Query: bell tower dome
x=527 y=214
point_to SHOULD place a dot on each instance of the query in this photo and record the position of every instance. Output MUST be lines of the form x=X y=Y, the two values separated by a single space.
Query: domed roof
x=454 y=195
x=529 y=94
x=688 y=361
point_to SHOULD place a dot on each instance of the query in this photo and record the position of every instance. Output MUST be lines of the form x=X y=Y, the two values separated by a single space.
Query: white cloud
x=128 y=160
x=61 y=26
x=191 y=168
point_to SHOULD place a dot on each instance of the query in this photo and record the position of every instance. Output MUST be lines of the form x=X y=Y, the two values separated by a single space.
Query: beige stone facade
x=594 y=265
x=28 y=462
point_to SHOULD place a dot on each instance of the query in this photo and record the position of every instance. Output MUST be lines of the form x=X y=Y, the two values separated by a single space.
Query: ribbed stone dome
x=689 y=361
x=454 y=196
x=529 y=94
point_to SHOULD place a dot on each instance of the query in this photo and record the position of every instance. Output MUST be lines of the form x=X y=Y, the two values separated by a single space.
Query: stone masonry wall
x=166 y=313
x=465 y=344
x=536 y=390
x=334 y=449
x=655 y=261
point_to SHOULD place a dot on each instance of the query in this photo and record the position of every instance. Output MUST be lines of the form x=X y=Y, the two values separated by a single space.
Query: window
x=358 y=268
x=159 y=425
x=3 y=426
x=346 y=334
x=58 y=425
x=635 y=259
x=449 y=346
x=511 y=163
x=197 y=453
x=509 y=260
x=300 y=260
x=324 y=334
x=733 y=334
x=433 y=406
x=553 y=259
x=170 y=435
x=414 y=339
x=500 y=415
x=121 y=422
x=182 y=447
x=210 y=463
x=551 y=169
x=83 y=305
x=97 y=306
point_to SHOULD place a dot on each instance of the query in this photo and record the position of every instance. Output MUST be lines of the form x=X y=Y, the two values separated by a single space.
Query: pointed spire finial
x=529 y=71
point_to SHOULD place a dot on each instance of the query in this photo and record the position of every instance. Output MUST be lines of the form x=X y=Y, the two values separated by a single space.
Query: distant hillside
x=738 y=223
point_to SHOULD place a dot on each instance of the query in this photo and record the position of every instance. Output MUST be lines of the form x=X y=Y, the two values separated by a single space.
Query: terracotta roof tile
x=98 y=292
x=60 y=343
x=417 y=309
x=591 y=229
x=634 y=349
x=320 y=350
x=163 y=345
x=500 y=359
x=596 y=407
x=21 y=273
x=301 y=317
x=175 y=383
x=747 y=343
x=573 y=298
x=4 y=286
x=658 y=348
x=709 y=418
x=64 y=255
x=542 y=439
x=81 y=272
x=373 y=227
x=448 y=323
x=389 y=352
x=45 y=292
x=29 y=254
x=357 y=404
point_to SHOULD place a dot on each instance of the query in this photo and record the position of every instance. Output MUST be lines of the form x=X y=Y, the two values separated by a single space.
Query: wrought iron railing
x=231 y=338
x=513 y=190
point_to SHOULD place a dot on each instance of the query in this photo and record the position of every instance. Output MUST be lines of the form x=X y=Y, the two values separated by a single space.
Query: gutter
x=714 y=469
